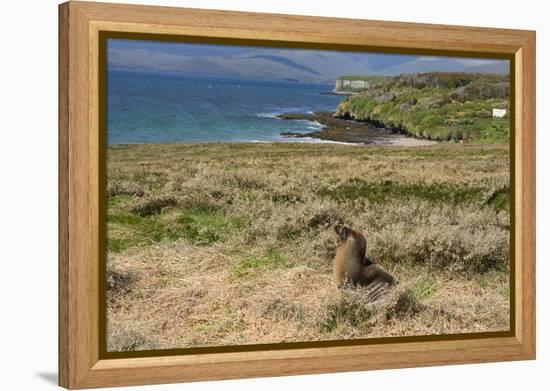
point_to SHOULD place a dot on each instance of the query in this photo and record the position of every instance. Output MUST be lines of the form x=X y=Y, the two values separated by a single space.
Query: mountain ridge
x=283 y=64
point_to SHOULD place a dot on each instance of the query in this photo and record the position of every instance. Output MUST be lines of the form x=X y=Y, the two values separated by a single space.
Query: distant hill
x=283 y=64
x=496 y=67
x=445 y=64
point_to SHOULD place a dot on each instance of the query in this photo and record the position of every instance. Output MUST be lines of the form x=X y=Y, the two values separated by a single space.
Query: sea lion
x=351 y=265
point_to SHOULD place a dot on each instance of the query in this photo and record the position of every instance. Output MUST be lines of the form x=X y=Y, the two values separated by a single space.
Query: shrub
x=116 y=188
x=400 y=304
x=345 y=307
x=126 y=338
x=500 y=199
x=153 y=205
x=118 y=282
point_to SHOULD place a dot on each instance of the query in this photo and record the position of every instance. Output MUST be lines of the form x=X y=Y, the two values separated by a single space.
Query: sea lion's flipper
x=377 y=289
x=367 y=261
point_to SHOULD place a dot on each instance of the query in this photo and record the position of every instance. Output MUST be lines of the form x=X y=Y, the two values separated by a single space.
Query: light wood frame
x=80 y=24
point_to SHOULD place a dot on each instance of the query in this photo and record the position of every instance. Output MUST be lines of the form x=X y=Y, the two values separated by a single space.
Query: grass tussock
x=124 y=338
x=345 y=309
x=227 y=244
x=153 y=205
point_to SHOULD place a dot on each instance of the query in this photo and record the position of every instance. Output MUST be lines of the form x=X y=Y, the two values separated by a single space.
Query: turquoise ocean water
x=159 y=108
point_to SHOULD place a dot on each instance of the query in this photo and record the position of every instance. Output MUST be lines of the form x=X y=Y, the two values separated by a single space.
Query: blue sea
x=160 y=108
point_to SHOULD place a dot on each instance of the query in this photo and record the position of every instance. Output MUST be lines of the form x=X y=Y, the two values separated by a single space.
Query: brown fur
x=351 y=265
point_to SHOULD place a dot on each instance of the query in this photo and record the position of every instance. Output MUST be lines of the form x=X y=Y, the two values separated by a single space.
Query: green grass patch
x=385 y=191
x=202 y=227
x=493 y=277
x=119 y=201
x=128 y=230
x=423 y=289
x=500 y=199
x=249 y=266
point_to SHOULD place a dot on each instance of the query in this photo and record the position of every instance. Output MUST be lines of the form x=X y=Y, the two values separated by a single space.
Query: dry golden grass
x=226 y=244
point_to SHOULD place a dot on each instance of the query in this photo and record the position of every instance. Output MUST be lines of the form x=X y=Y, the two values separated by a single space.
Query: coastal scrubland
x=223 y=244
x=435 y=106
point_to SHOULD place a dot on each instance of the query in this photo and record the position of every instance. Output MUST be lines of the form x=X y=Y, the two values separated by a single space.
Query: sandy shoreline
x=404 y=141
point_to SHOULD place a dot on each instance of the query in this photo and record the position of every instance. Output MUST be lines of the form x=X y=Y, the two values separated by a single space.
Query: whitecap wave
x=269 y=115
x=315 y=125
x=313 y=140
x=274 y=114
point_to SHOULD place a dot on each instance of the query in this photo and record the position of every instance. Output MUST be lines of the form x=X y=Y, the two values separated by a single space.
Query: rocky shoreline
x=350 y=131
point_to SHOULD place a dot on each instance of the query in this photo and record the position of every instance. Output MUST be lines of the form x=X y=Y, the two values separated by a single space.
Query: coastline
x=350 y=131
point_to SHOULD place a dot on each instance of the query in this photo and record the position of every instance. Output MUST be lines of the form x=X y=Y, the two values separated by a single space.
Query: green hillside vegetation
x=435 y=106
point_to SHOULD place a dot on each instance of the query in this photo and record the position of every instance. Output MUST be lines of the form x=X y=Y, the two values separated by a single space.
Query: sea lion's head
x=342 y=232
x=345 y=233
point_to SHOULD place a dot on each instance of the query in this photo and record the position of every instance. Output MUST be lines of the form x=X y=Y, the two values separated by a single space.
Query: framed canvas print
x=248 y=195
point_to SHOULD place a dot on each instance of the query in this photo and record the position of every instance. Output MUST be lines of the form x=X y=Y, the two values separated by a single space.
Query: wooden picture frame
x=82 y=364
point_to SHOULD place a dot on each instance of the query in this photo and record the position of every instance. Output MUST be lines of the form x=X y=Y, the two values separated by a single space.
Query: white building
x=499 y=113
